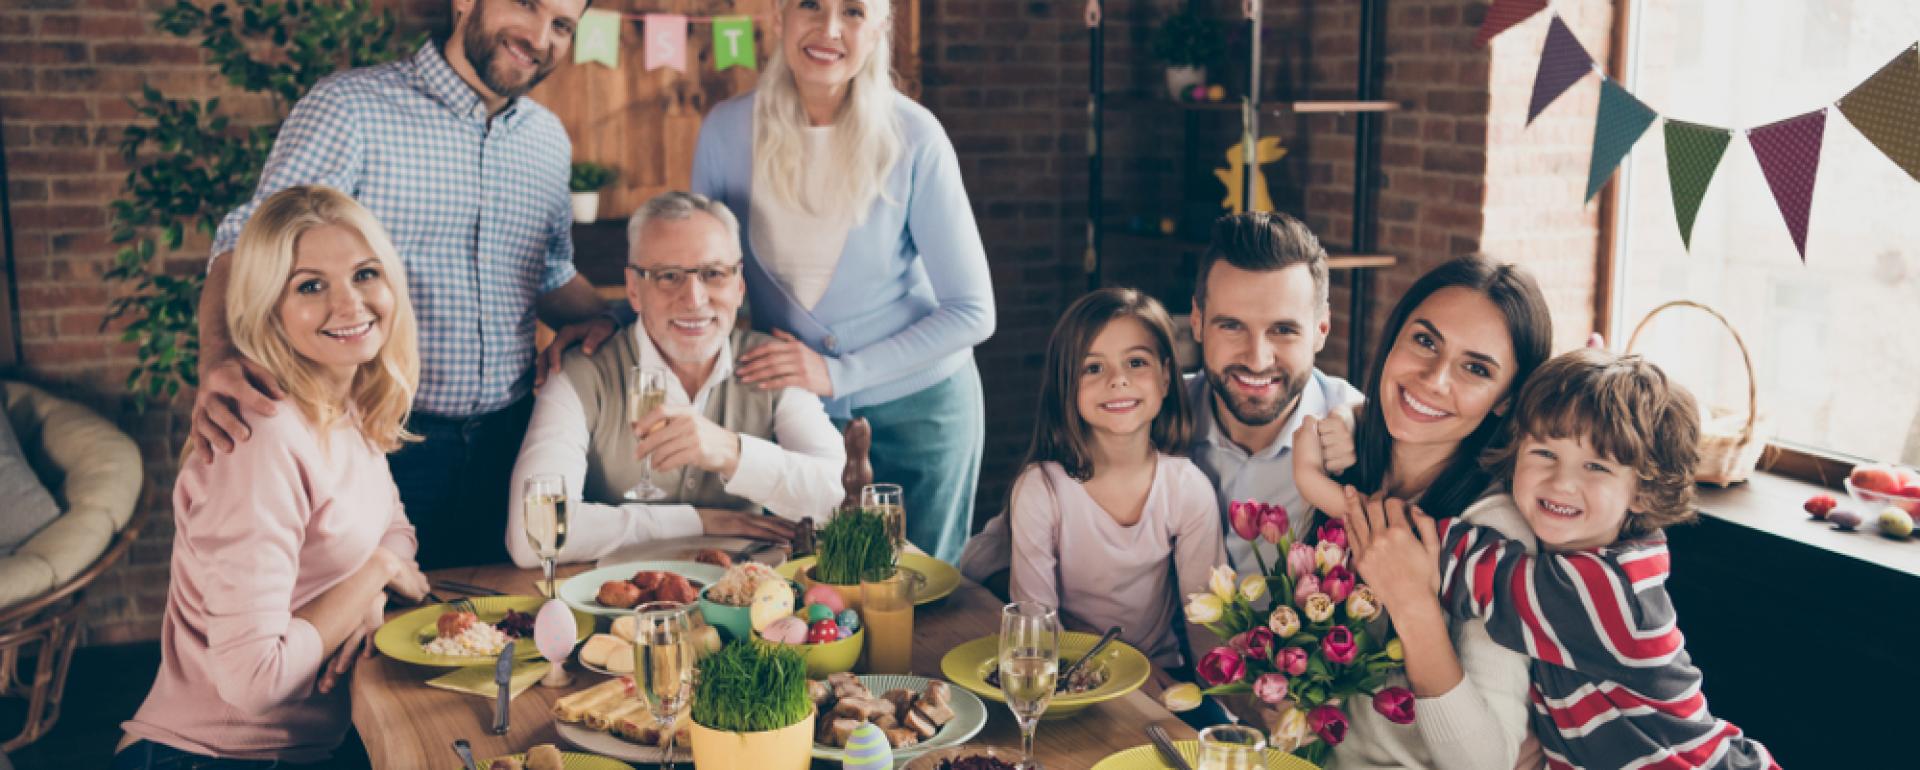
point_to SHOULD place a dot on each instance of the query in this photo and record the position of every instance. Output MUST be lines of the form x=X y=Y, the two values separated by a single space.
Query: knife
x=503 y=678
x=1168 y=753
x=466 y=588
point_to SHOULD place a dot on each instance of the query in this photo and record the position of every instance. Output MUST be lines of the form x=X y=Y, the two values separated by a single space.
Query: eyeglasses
x=673 y=278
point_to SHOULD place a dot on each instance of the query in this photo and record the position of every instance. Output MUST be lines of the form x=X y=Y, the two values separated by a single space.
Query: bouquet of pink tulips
x=1308 y=650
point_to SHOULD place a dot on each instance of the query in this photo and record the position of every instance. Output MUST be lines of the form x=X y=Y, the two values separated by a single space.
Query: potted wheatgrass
x=854 y=543
x=750 y=708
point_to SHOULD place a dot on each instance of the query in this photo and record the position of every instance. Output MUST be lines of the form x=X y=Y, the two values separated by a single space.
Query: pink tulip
x=1244 y=515
x=1299 y=560
x=1394 y=703
x=1271 y=688
x=1338 y=645
x=1333 y=531
x=1308 y=586
x=1221 y=665
x=1328 y=722
x=1259 y=644
x=1338 y=583
x=1273 y=523
x=1291 y=660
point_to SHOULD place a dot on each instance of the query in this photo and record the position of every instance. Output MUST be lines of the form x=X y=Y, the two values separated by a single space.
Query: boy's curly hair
x=1624 y=407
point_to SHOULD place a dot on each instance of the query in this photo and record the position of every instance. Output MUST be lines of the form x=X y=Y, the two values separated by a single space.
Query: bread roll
x=544 y=757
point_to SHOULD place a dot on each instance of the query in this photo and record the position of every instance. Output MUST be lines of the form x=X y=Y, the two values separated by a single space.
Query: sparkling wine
x=1028 y=682
x=546 y=517
x=640 y=401
x=663 y=670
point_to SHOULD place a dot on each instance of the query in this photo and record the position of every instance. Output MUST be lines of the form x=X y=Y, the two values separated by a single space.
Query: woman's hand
x=1395 y=549
x=359 y=644
x=405 y=579
x=786 y=363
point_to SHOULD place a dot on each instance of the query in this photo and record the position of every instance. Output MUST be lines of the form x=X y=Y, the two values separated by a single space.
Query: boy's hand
x=1396 y=549
x=1336 y=442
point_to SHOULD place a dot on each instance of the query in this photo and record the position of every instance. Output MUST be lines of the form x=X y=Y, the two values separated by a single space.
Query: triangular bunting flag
x=1789 y=155
x=1563 y=61
x=597 y=38
x=1693 y=154
x=733 y=42
x=666 y=41
x=1886 y=109
x=1504 y=14
x=1621 y=121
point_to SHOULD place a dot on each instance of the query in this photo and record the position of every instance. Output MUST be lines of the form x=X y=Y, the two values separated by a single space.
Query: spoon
x=465 y=750
x=1105 y=639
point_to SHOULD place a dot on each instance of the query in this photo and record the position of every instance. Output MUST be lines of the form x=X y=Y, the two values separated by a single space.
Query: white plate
x=580 y=590
x=969 y=715
x=608 y=744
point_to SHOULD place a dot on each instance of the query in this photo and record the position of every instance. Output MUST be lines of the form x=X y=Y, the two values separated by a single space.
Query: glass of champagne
x=544 y=512
x=663 y=664
x=890 y=501
x=1232 y=747
x=646 y=391
x=1029 y=666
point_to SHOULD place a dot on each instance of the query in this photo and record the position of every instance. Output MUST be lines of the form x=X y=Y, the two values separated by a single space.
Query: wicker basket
x=1731 y=441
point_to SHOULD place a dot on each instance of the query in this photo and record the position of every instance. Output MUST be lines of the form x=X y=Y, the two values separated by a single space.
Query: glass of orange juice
x=886 y=605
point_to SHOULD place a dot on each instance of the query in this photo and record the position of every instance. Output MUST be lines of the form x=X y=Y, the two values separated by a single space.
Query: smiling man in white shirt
x=725 y=453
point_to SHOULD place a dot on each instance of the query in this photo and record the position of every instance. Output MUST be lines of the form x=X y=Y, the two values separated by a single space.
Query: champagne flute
x=890 y=501
x=1029 y=666
x=646 y=391
x=544 y=513
x=1232 y=747
x=663 y=665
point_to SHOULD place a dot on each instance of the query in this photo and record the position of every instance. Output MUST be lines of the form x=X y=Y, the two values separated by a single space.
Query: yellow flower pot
x=849 y=593
x=788 y=748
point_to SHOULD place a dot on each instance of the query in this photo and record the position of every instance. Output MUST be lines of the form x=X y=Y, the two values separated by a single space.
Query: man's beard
x=1245 y=410
x=481 y=51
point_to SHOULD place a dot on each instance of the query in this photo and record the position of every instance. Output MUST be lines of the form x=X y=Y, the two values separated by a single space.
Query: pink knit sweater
x=258 y=533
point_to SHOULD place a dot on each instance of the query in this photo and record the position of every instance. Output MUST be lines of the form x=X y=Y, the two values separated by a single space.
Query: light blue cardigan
x=910 y=296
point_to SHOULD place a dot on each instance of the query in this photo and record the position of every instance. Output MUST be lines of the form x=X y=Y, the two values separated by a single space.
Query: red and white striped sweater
x=1612 y=684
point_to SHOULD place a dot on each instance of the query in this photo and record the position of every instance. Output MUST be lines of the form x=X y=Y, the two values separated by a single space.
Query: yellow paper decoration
x=1267 y=150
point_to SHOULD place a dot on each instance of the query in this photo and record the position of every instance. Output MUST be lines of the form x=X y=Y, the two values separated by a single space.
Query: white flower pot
x=586 y=207
x=1180 y=80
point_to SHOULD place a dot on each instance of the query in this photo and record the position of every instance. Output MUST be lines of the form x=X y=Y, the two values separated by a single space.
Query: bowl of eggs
x=829 y=633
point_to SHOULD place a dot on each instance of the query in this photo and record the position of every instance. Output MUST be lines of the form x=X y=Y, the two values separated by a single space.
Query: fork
x=462 y=604
x=1165 y=744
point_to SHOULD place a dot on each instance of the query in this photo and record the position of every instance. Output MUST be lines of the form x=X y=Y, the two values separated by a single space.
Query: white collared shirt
x=796 y=477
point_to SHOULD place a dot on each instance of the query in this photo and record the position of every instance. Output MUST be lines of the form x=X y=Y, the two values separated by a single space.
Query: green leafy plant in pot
x=1187 y=43
x=750 y=708
x=585 y=183
x=853 y=543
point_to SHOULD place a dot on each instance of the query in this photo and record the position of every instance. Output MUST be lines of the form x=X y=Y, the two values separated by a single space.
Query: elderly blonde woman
x=862 y=256
x=285 y=548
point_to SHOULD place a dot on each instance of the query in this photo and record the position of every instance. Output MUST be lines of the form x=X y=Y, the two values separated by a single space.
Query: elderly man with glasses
x=724 y=453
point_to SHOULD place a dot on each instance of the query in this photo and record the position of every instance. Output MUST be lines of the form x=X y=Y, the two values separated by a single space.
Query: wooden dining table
x=407 y=725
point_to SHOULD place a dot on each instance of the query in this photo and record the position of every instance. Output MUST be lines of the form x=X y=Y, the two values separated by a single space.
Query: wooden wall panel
x=648 y=123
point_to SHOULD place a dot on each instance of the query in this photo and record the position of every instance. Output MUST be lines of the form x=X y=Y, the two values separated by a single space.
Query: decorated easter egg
x=818 y=612
x=554 y=630
x=849 y=620
x=772 y=600
x=822 y=632
x=825 y=594
x=786 y=630
x=841 y=632
x=1216 y=93
x=868 y=749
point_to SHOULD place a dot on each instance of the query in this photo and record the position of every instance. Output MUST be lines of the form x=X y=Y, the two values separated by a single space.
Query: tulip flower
x=1223 y=583
x=1221 y=665
x=1253 y=587
x=1291 y=660
x=1184 y=696
x=1318 y=607
x=1259 y=644
x=1299 y=560
x=1396 y=650
x=1273 y=523
x=1339 y=645
x=1308 y=586
x=1328 y=555
x=1291 y=732
x=1204 y=608
x=1338 y=583
x=1244 y=516
x=1362 y=604
x=1328 y=722
x=1394 y=703
x=1283 y=621
x=1271 y=688
x=1333 y=531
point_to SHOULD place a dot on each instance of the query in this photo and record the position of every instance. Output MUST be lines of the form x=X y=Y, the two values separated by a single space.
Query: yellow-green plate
x=1146 y=758
x=936 y=578
x=967 y=666
x=404 y=638
x=570 y=760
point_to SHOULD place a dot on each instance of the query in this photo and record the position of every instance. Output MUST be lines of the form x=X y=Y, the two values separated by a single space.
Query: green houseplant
x=1187 y=43
x=853 y=543
x=750 y=708
x=585 y=183
x=190 y=164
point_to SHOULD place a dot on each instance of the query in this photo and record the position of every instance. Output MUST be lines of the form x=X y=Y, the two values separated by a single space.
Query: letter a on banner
x=598 y=38
x=733 y=42
x=666 y=41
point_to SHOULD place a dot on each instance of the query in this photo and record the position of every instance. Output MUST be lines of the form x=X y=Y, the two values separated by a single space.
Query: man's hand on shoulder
x=588 y=334
x=227 y=387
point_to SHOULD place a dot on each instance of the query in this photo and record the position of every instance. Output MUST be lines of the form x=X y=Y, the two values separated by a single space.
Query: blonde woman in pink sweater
x=286 y=549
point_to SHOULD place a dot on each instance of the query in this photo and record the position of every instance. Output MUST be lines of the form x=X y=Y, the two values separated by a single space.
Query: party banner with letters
x=664 y=39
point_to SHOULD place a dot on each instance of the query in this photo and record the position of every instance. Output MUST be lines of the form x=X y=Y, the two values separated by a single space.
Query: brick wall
x=1006 y=77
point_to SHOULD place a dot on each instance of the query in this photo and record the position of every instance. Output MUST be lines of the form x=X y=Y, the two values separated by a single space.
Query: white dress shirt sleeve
x=797 y=474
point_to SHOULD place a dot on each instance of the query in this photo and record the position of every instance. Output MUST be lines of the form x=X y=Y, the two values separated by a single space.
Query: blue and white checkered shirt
x=478 y=209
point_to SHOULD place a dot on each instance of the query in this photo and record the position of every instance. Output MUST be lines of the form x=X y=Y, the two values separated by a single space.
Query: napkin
x=478 y=680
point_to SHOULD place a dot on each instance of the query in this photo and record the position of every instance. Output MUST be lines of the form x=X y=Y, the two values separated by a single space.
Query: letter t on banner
x=666 y=41
x=733 y=42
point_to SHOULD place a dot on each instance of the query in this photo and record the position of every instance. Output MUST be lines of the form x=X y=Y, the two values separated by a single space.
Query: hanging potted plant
x=853 y=543
x=586 y=182
x=750 y=708
x=1186 y=43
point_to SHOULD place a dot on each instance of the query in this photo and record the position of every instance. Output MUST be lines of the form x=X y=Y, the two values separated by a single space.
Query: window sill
x=1772 y=504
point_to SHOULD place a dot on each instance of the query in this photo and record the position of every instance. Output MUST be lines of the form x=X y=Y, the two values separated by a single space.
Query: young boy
x=1602 y=460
